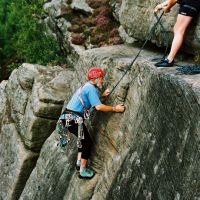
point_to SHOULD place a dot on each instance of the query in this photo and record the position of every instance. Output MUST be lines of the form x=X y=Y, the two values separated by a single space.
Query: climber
x=83 y=99
x=189 y=9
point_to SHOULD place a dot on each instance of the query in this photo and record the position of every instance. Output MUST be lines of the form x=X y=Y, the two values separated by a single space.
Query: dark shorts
x=73 y=128
x=189 y=8
x=86 y=142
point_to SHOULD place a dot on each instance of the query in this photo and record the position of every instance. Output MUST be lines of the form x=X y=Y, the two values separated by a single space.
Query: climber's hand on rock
x=119 y=108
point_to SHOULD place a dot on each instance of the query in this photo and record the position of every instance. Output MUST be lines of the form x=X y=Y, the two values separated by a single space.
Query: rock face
x=31 y=101
x=136 y=19
x=151 y=151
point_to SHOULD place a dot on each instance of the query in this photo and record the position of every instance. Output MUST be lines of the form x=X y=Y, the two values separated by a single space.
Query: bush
x=77 y=39
x=102 y=22
x=23 y=34
x=104 y=11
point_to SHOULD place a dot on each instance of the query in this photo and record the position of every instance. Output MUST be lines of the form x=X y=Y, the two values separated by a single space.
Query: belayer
x=77 y=111
x=189 y=9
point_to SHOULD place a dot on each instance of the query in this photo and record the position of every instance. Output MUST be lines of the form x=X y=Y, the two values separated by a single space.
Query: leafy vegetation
x=23 y=36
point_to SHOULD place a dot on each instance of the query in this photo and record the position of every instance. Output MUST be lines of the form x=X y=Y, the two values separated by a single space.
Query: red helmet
x=95 y=73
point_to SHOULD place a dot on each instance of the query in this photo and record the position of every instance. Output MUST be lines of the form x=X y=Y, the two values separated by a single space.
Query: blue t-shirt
x=90 y=96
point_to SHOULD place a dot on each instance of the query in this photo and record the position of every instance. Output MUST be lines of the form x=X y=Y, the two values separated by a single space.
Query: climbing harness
x=86 y=111
x=64 y=123
x=147 y=39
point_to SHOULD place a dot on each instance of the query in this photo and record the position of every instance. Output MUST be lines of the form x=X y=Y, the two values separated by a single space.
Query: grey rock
x=115 y=4
x=126 y=38
x=16 y=163
x=53 y=7
x=137 y=19
x=151 y=151
x=81 y=5
x=3 y=100
x=55 y=168
x=155 y=141
x=35 y=130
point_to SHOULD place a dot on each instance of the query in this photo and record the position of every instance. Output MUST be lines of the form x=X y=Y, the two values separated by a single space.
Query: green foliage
x=23 y=35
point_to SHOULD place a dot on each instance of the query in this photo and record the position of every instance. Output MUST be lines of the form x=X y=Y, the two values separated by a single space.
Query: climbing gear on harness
x=79 y=121
x=69 y=115
x=130 y=66
x=63 y=132
x=62 y=128
x=95 y=73
x=86 y=173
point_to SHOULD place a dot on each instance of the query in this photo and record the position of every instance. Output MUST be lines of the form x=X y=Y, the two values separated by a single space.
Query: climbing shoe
x=164 y=63
x=86 y=174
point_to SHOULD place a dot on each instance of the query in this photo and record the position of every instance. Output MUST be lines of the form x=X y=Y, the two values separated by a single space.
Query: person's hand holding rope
x=165 y=6
x=161 y=6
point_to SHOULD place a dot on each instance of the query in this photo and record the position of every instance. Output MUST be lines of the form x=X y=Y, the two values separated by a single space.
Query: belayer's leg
x=180 y=27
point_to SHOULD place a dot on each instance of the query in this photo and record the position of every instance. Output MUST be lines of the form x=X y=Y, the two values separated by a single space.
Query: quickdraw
x=63 y=132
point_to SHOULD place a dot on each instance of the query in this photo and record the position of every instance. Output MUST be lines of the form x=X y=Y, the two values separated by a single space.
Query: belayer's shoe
x=86 y=174
x=164 y=63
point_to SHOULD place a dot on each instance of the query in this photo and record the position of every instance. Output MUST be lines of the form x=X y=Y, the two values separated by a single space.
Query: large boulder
x=149 y=151
x=16 y=163
x=31 y=102
x=55 y=168
x=36 y=96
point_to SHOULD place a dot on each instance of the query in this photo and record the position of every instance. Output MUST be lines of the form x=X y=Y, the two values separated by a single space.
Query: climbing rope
x=188 y=69
x=130 y=66
x=166 y=39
